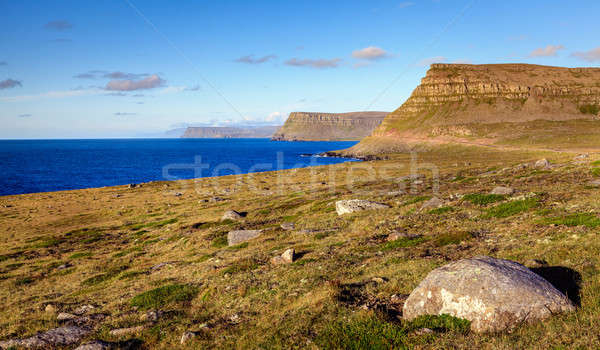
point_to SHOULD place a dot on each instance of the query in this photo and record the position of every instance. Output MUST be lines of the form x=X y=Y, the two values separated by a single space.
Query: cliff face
x=306 y=126
x=486 y=101
x=229 y=132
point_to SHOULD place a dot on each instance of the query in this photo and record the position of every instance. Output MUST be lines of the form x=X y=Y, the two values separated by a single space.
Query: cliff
x=308 y=126
x=495 y=103
x=229 y=132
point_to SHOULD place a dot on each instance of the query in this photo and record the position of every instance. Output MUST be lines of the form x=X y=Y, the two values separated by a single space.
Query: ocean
x=30 y=166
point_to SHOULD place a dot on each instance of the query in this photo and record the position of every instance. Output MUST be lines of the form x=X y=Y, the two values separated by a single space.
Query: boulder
x=433 y=203
x=57 y=337
x=232 y=215
x=126 y=331
x=65 y=316
x=240 y=236
x=288 y=226
x=354 y=205
x=542 y=163
x=503 y=190
x=97 y=345
x=286 y=258
x=187 y=336
x=493 y=294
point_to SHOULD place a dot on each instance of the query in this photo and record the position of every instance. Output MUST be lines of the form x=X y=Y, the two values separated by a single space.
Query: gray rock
x=53 y=338
x=542 y=163
x=594 y=183
x=97 y=345
x=286 y=258
x=240 y=236
x=65 y=316
x=152 y=315
x=582 y=156
x=354 y=205
x=187 y=336
x=433 y=203
x=83 y=309
x=288 y=226
x=126 y=331
x=493 y=294
x=394 y=236
x=411 y=177
x=503 y=190
x=232 y=215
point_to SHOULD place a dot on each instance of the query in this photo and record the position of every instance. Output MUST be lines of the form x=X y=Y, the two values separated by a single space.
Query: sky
x=133 y=68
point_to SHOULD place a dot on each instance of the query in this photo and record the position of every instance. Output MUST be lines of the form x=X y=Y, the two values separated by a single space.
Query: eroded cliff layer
x=230 y=132
x=308 y=126
x=488 y=103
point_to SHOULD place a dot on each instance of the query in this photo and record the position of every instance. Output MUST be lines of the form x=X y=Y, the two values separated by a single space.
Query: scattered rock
x=493 y=294
x=594 y=183
x=187 y=336
x=582 y=156
x=178 y=194
x=286 y=258
x=106 y=345
x=400 y=235
x=411 y=177
x=62 y=336
x=64 y=266
x=161 y=265
x=433 y=203
x=132 y=185
x=503 y=190
x=354 y=205
x=423 y=331
x=288 y=226
x=65 y=316
x=151 y=316
x=126 y=331
x=50 y=308
x=232 y=215
x=542 y=163
x=83 y=309
x=240 y=236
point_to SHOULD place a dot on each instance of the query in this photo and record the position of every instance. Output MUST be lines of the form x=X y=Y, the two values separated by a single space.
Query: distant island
x=314 y=126
x=226 y=132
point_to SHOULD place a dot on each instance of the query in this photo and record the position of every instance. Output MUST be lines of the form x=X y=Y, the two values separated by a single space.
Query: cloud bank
x=370 y=53
x=9 y=83
x=150 y=82
x=548 y=51
x=314 y=63
x=591 y=56
x=249 y=59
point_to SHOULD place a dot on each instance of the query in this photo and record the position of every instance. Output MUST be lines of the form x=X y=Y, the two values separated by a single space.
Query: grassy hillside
x=130 y=250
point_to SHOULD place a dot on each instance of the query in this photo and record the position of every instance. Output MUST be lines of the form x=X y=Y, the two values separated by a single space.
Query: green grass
x=24 y=281
x=219 y=242
x=441 y=210
x=445 y=323
x=403 y=243
x=579 y=219
x=595 y=163
x=165 y=295
x=505 y=210
x=155 y=224
x=80 y=255
x=483 y=198
x=417 y=199
x=595 y=171
x=589 y=109
x=47 y=243
x=452 y=238
x=241 y=265
x=239 y=246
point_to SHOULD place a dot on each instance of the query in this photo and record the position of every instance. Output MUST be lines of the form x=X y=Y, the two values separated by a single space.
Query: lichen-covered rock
x=433 y=203
x=241 y=236
x=51 y=339
x=232 y=215
x=542 y=163
x=493 y=294
x=354 y=205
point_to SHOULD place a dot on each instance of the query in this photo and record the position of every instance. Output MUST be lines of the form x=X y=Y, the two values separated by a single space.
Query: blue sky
x=125 y=68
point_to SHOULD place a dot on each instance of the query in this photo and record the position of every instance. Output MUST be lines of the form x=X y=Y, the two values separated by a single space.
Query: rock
x=187 y=336
x=64 y=266
x=151 y=316
x=161 y=265
x=411 y=177
x=178 y=194
x=97 y=345
x=50 y=309
x=542 y=163
x=132 y=185
x=240 y=236
x=423 y=331
x=493 y=294
x=533 y=263
x=433 y=203
x=65 y=316
x=378 y=280
x=84 y=309
x=286 y=258
x=232 y=215
x=288 y=226
x=400 y=235
x=354 y=205
x=62 y=336
x=126 y=331
x=503 y=190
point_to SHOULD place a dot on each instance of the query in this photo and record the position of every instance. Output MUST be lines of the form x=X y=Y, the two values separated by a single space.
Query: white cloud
x=275 y=116
x=591 y=56
x=314 y=63
x=51 y=95
x=150 y=82
x=429 y=61
x=548 y=51
x=370 y=53
x=405 y=4
x=249 y=59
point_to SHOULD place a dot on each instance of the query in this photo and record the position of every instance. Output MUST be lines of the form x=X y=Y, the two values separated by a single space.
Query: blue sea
x=30 y=166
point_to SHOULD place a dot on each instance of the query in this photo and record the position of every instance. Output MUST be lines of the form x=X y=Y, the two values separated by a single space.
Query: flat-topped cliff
x=229 y=132
x=311 y=126
x=489 y=103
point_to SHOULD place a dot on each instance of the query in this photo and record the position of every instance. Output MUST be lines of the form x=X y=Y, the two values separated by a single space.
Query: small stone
x=423 y=331
x=187 y=336
x=232 y=215
x=64 y=266
x=65 y=316
x=97 y=345
x=288 y=255
x=582 y=156
x=288 y=226
x=50 y=308
x=178 y=194
x=396 y=235
x=151 y=316
x=378 y=280
x=354 y=205
x=503 y=190
x=240 y=236
x=126 y=331
x=542 y=163
x=132 y=185
x=594 y=183
x=534 y=263
x=433 y=203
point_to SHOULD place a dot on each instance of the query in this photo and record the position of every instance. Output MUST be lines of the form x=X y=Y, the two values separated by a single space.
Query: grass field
x=130 y=250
